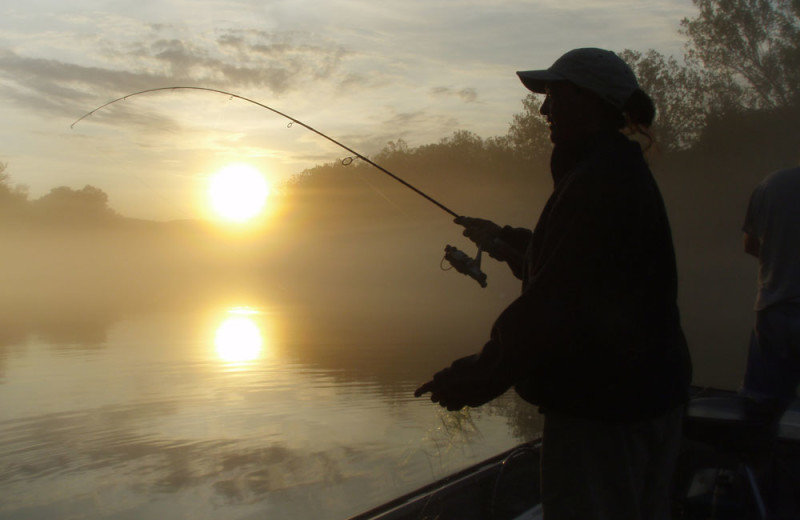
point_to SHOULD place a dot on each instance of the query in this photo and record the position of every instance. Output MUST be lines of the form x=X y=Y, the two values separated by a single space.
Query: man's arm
x=752 y=246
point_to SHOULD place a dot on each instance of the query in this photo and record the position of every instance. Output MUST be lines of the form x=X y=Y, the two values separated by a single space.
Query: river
x=235 y=410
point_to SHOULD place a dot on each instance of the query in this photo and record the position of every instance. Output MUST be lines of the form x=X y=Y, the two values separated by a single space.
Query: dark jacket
x=596 y=331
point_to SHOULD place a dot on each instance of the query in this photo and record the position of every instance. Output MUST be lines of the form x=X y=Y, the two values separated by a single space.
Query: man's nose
x=545 y=108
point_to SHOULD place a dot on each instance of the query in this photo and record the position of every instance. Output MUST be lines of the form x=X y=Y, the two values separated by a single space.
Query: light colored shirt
x=773 y=218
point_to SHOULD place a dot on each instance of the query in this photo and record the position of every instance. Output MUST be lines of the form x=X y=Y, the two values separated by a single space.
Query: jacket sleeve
x=473 y=380
x=514 y=243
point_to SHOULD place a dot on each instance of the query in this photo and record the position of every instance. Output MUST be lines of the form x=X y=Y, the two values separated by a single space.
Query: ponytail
x=640 y=112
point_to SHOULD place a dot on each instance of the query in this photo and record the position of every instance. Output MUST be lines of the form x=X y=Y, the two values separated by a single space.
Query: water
x=235 y=411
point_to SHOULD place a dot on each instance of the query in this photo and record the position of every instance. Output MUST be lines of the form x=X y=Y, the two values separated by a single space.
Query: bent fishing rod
x=459 y=260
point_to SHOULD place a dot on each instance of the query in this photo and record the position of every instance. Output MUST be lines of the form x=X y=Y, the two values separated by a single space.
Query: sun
x=238 y=192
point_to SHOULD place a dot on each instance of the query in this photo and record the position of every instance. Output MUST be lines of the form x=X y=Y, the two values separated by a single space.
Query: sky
x=362 y=71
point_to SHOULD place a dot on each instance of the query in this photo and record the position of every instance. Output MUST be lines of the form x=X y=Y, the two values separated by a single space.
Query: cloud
x=277 y=62
x=468 y=95
x=54 y=86
x=415 y=127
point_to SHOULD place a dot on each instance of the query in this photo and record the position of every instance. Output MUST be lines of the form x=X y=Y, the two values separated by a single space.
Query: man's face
x=570 y=111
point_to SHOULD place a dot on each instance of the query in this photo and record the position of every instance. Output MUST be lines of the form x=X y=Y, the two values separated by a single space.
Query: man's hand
x=481 y=231
x=441 y=395
x=437 y=396
x=464 y=383
x=426 y=388
x=487 y=235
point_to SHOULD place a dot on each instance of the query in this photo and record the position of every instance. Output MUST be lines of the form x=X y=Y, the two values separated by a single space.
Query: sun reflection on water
x=238 y=339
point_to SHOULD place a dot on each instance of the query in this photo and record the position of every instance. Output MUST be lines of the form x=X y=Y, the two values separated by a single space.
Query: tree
x=528 y=135
x=13 y=199
x=85 y=204
x=750 y=47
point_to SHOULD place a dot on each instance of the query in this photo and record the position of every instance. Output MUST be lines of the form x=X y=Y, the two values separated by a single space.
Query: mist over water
x=180 y=370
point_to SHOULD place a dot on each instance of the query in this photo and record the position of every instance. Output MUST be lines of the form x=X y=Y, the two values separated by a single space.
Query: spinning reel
x=465 y=264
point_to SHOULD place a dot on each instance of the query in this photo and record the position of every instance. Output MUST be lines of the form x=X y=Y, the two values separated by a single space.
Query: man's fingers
x=424 y=389
x=439 y=395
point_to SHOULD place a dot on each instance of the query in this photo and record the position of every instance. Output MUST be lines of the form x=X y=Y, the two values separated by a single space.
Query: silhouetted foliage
x=749 y=48
x=61 y=204
x=463 y=171
x=85 y=204
x=741 y=55
x=528 y=135
x=13 y=199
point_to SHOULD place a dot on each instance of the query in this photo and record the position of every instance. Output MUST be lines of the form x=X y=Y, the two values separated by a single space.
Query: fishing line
x=292 y=121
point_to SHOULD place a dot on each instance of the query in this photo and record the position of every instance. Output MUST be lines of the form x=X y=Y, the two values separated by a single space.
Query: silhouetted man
x=594 y=339
x=772 y=234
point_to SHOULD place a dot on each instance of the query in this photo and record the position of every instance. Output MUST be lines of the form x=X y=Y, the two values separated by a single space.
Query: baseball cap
x=597 y=70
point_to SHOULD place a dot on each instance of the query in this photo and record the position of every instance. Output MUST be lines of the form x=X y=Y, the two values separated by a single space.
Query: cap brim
x=537 y=80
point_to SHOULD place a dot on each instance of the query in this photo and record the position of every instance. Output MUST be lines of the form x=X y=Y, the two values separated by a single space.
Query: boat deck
x=714 y=479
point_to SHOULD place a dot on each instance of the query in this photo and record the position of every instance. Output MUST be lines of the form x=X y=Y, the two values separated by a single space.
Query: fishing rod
x=459 y=260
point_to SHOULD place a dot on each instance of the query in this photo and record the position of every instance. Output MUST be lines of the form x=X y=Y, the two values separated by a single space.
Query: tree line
x=61 y=204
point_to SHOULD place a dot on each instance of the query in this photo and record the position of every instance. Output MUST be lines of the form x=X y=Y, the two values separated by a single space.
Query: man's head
x=588 y=90
x=574 y=114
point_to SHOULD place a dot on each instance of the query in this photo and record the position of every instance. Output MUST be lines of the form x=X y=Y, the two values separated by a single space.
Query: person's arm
x=752 y=245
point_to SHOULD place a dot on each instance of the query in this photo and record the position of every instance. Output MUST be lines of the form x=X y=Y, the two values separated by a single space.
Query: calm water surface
x=235 y=411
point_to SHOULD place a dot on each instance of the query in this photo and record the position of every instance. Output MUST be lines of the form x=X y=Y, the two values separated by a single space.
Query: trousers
x=596 y=470
x=773 y=359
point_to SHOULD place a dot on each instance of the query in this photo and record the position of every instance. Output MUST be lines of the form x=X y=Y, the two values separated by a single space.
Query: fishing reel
x=465 y=264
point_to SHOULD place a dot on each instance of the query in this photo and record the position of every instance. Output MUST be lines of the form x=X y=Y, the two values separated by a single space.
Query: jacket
x=596 y=330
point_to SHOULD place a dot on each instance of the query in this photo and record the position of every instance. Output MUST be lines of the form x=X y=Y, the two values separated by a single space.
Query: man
x=772 y=234
x=594 y=339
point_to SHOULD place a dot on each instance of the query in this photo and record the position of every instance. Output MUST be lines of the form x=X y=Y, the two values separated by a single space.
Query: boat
x=715 y=477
